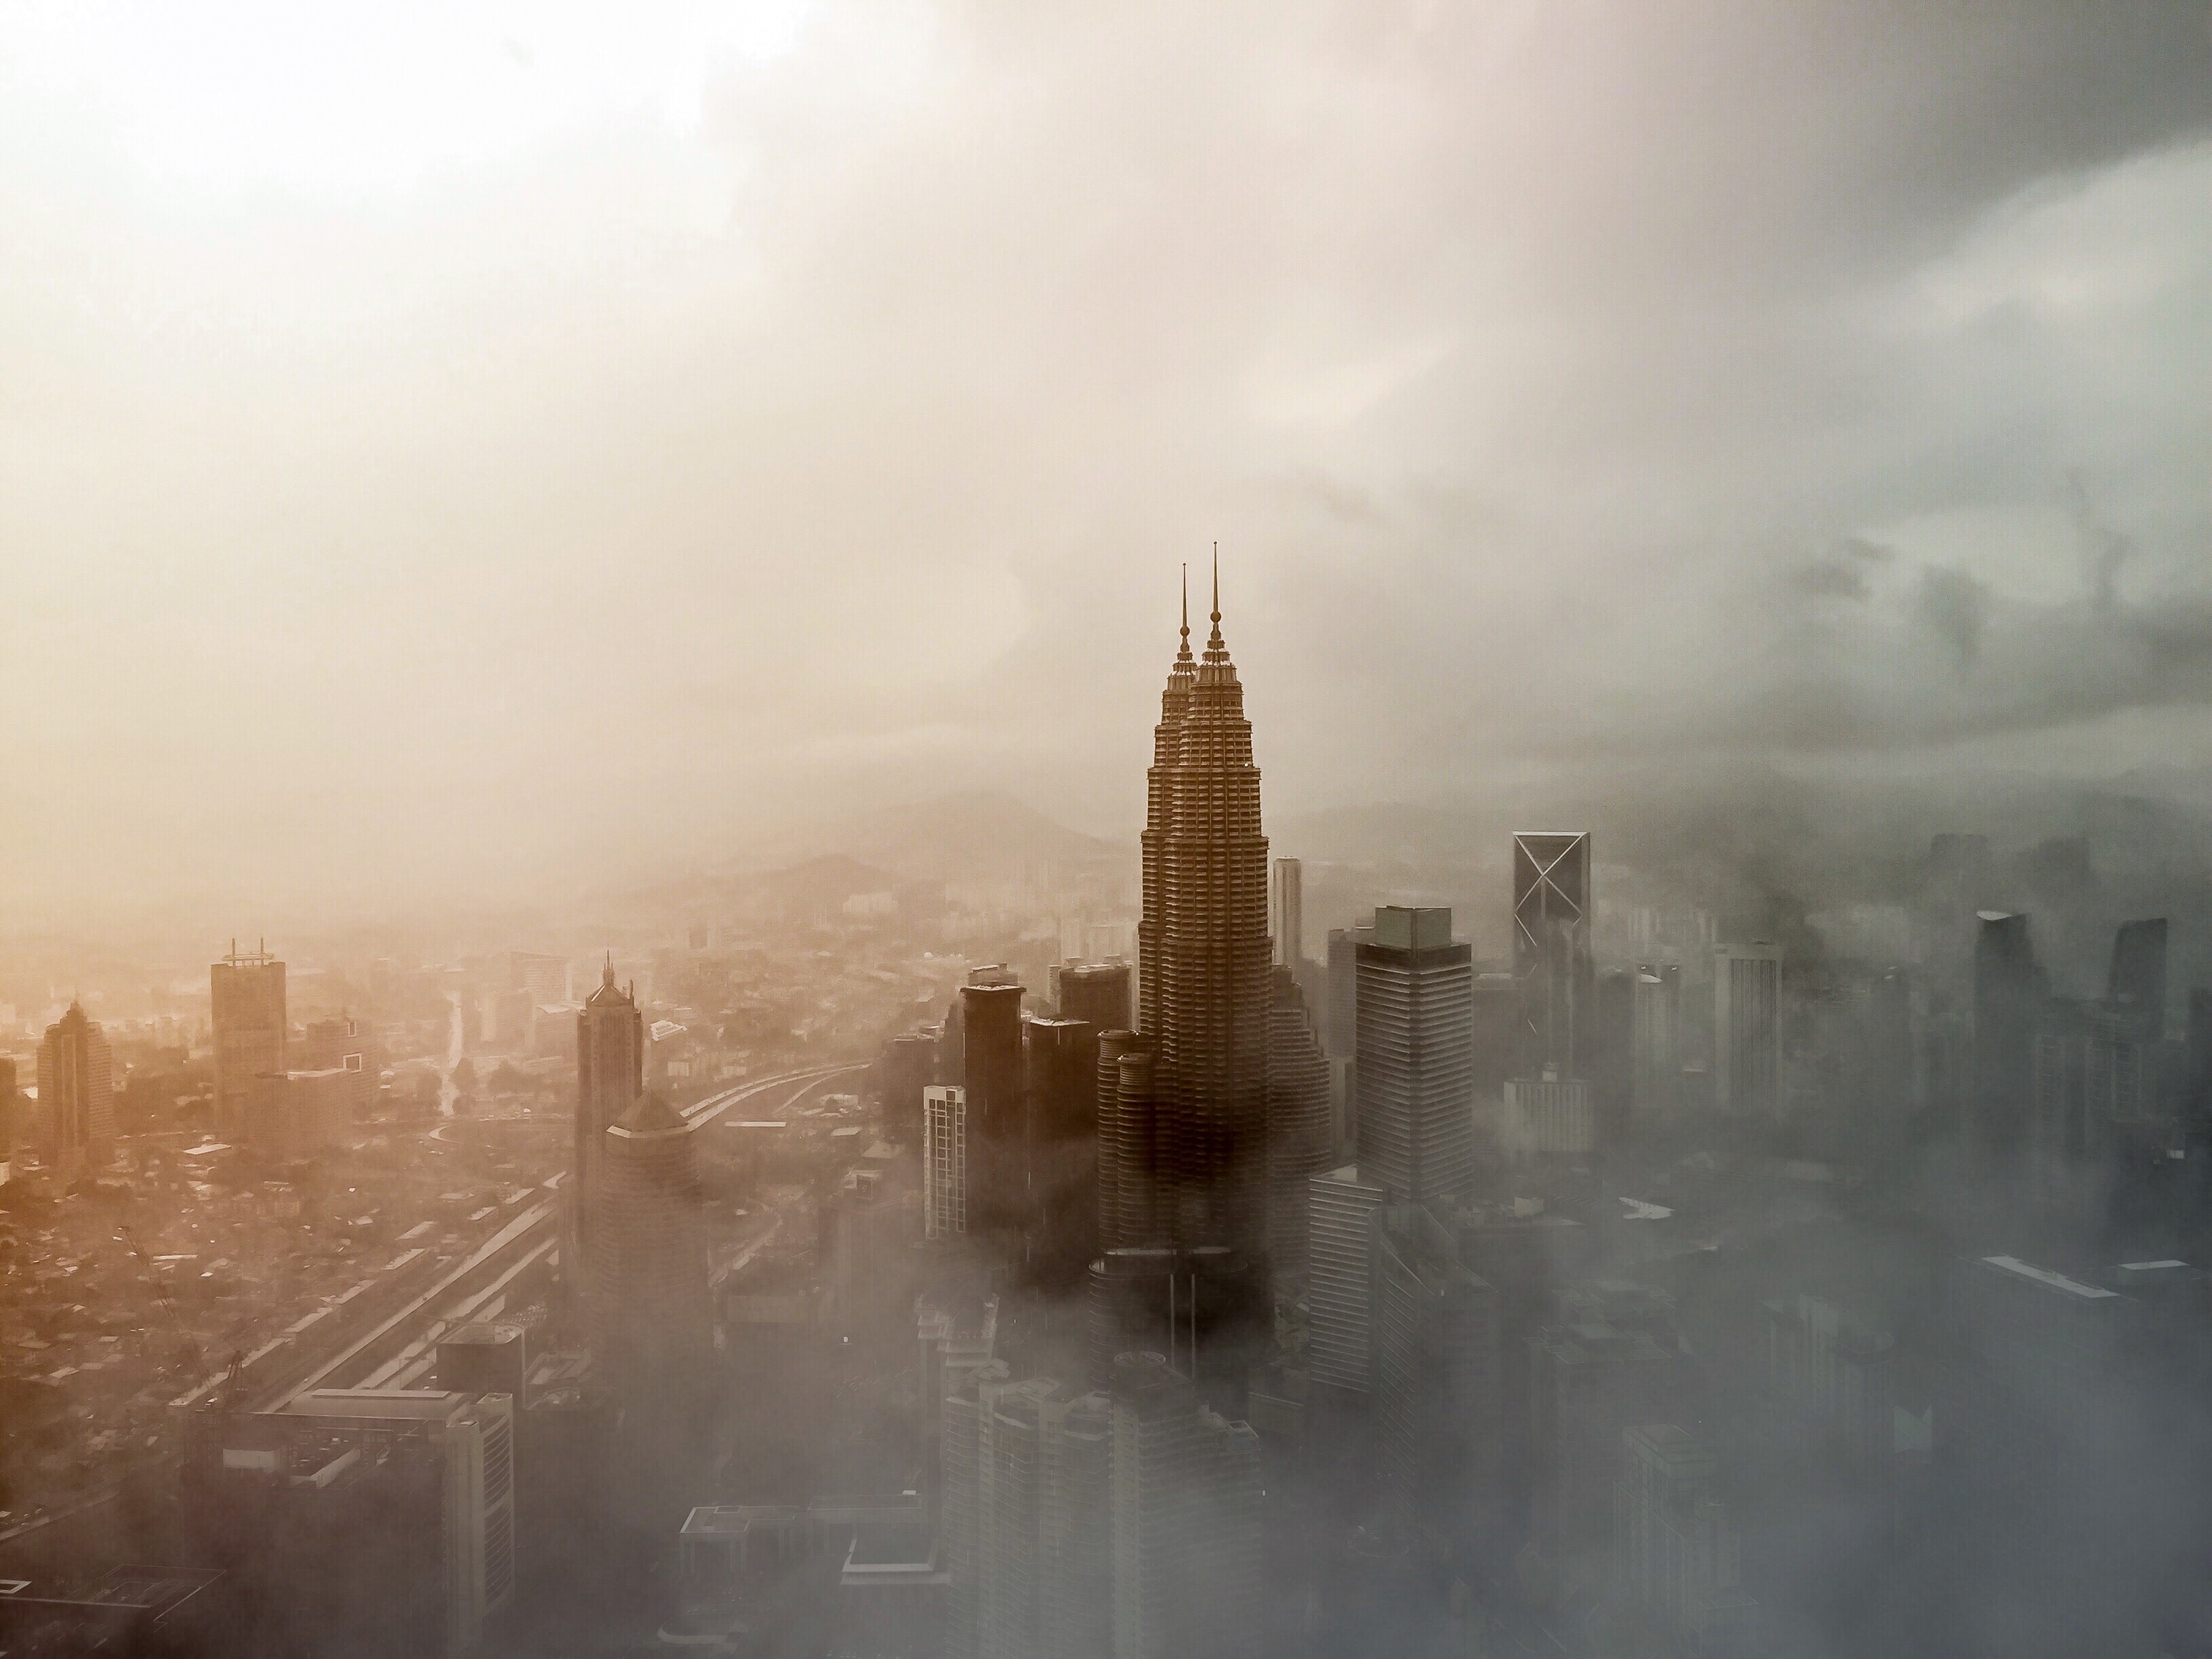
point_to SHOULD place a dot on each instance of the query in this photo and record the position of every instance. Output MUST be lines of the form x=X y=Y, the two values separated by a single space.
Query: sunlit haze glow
x=459 y=452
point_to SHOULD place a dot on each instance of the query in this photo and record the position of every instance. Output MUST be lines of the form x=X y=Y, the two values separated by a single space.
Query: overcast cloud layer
x=476 y=450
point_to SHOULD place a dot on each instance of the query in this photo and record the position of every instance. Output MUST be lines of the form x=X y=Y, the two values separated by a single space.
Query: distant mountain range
x=969 y=833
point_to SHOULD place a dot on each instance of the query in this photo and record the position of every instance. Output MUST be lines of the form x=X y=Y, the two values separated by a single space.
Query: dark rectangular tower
x=2135 y=987
x=2009 y=998
x=1552 y=950
x=1097 y=994
x=995 y=1071
x=1060 y=1157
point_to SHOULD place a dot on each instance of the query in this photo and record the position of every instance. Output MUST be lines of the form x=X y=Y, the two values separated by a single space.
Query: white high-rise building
x=1340 y=1278
x=944 y=1160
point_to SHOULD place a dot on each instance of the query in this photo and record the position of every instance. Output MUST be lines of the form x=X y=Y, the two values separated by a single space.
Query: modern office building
x=1097 y=994
x=360 y=1520
x=1029 y=1531
x=1125 y=1178
x=1061 y=1057
x=1496 y=1027
x=339 y=1044
x=2119 y=1069
x=76 y=1095
x=907 y=1066
x=1416 y=1056
x=1075 y=1518
x=1301 y=1130
x=1830 y=1373
x=246 y=1004
x=485 y=1356
x=1656 y=1040
x=1748 y=1029
x=2134 y=984
x=1185 y=1509
x=1009 y=1468
x=1203 y=953
x=649 y=1260
x=1552 y=950
x=1612 y=1068
x=1287 y=913
x=994 y=1072
x=1678 y=1561
x=610 y=1080
x=1343 y=1025
x=1059 y=1154
x=2008 y=1005
x=1437 y=1373
x=944 y=1160
x=1340 y=1278
x=959 y=1519
x=1550 y=1117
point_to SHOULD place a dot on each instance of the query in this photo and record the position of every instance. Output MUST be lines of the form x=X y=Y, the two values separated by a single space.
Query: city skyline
x=629 y=555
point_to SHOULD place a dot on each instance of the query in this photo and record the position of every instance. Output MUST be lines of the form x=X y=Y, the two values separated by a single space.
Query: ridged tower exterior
x=1204 y=956
x=1301 y=1134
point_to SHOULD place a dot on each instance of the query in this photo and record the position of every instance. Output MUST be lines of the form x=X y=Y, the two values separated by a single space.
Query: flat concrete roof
x=2045 y=1276
x=405 y=1405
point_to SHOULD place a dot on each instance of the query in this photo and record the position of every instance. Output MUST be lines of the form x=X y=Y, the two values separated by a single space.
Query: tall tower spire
x=1183 y=655
x=1215 y=642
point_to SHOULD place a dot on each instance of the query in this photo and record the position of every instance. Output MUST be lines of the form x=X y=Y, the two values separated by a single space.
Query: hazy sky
x=459 y=451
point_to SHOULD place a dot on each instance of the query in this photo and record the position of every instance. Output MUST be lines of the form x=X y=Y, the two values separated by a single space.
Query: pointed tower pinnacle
x=1182 y=653
x=607 y=972
x=1215 y=643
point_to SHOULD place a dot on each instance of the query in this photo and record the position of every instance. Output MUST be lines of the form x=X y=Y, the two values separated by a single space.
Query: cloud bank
x=476 y=451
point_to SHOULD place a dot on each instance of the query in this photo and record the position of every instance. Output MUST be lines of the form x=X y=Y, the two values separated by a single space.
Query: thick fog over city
x=879 y=831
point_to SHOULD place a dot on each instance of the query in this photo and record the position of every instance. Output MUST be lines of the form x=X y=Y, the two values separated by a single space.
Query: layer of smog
x=1339 y=832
